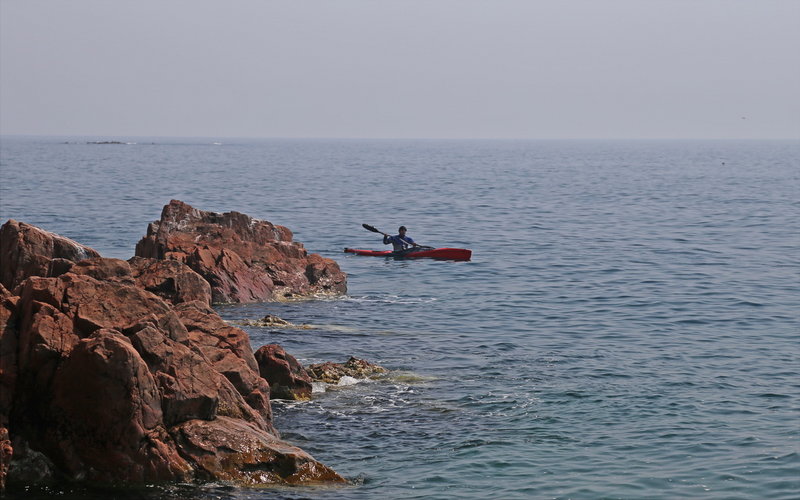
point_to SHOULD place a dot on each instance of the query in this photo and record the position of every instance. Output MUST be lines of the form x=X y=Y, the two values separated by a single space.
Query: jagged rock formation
x=243 y=259
x=120 y=371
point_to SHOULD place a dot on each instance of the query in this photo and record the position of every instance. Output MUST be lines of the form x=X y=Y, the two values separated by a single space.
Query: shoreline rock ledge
x=243 y=259
x=116 y=371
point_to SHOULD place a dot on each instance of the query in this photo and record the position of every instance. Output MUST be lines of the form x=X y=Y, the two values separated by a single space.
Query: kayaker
x=400 y=241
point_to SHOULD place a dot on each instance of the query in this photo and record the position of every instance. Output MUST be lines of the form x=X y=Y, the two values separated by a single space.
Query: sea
x=628 y=326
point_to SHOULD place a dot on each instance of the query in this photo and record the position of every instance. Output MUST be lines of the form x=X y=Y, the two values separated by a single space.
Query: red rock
x=8 y=353
x=230 y=450
x=213 y=335
x=103 y=380
x=249 y=384
x=6 y=452
x=171 y=280
x=104 y=304
x=103 y=269
x=46 y=336
x=188 y=388
x=286 y=376
x=228 y=349
x=8 y=377
x=243 y=259
x=26 y=250
x=109 y=422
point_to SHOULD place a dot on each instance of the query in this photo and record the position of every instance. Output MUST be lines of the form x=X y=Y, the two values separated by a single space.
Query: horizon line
x=387 y=138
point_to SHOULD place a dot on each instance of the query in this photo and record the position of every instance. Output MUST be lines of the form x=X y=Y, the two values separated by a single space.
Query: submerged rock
x=272 y=321
x=332 y=373
x=243 y=259
x=103 y=380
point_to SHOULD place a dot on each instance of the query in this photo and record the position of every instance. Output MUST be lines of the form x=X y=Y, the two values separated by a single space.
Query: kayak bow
x=417 y=253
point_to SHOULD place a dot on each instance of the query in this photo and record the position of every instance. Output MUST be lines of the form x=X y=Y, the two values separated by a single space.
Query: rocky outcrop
x=286 y=376
x=331 y=373
x=26 y=250
x=243 y=259
x=120 y=371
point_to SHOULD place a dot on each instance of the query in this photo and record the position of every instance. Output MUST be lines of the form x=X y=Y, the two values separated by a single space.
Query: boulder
x=26 y=250
x=246 y=456
x=286 y=376
x=243 y=259
x=331 y=373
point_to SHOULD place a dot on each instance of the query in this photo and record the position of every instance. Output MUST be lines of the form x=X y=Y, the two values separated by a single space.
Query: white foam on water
x=348 y=380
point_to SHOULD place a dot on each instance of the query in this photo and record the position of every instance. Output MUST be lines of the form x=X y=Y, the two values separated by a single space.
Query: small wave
x=691 y=322
x=406 y=377
x=748 y=303
x=391 y=299
x=772 y=395
x=394 y=377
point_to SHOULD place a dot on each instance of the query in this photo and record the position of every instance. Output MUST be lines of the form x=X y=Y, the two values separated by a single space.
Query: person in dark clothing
x=400 y=241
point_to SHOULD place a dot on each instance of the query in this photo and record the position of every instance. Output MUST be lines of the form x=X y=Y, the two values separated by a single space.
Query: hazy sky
x=384 y=68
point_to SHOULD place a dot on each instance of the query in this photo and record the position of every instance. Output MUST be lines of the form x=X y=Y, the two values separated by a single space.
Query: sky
x=538 y=69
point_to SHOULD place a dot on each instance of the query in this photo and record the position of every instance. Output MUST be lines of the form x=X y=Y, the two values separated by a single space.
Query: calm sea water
x=629 y=326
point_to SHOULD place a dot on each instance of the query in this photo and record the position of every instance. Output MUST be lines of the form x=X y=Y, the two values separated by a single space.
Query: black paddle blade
x=370 y=228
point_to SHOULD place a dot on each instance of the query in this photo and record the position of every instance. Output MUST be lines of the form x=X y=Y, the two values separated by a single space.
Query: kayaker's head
x=402 y=230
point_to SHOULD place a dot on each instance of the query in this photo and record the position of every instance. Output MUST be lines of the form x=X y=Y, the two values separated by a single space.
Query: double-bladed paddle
x=375 y=230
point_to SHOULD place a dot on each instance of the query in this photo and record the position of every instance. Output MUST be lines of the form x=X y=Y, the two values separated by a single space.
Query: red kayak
x=418 y=253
